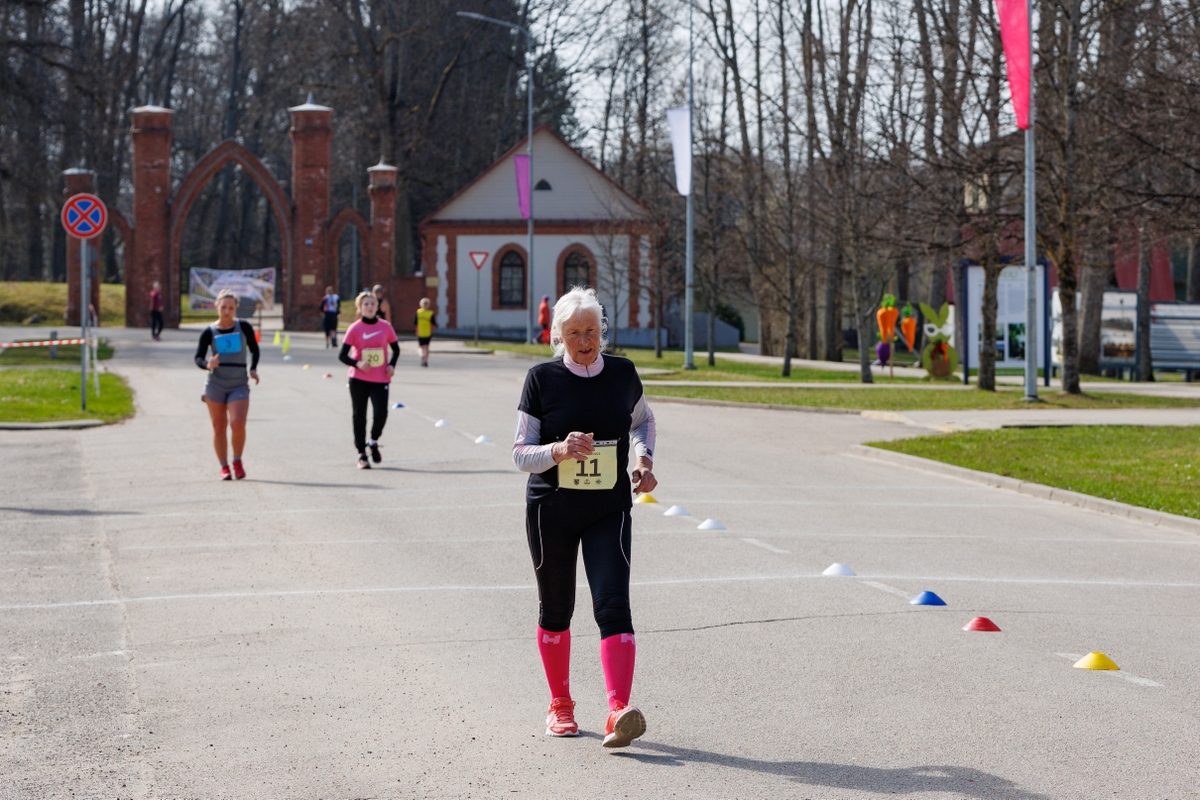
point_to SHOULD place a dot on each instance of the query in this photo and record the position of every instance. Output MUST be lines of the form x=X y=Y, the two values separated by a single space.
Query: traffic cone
x=287 y=343
x=276 y=339
x=676 y=511
x=258 y=336
x=1096 y=661
x=710 y=525
x=982 y=624
x=839 y=571
x=927 y=599
x=645 y=498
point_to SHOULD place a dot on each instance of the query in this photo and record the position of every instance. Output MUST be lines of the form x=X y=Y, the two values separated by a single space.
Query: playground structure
x=308 y=228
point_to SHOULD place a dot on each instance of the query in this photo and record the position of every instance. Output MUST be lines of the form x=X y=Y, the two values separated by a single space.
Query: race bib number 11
x=598 y=472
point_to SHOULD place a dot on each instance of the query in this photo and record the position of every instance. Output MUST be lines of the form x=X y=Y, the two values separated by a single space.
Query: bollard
x=54 y=347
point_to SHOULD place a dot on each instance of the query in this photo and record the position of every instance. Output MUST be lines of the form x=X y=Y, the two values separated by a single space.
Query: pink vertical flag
x=1014 y=32
x=522 y=165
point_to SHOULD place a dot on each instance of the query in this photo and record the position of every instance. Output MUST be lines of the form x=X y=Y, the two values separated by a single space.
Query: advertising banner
x=205 y=284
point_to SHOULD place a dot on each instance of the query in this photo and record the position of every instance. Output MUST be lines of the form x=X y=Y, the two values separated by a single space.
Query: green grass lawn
x=21 y=300
x=909 y=399
x=67 y=353
x=47 y=395
x=1151 y=467
x=726 y=369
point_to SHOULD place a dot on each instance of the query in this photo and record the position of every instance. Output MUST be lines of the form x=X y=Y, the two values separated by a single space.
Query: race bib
x=227 y=343
x=372 y=357
x=598 y=472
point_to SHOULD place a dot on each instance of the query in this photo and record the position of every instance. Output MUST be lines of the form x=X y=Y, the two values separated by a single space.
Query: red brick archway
x=352 y=217
x=204 y=171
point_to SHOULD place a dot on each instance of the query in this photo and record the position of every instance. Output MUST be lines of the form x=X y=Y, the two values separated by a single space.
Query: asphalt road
x=317 y=631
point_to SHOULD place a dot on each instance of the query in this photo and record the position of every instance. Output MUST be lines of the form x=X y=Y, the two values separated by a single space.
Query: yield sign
x=84 y=216
x=479 y=258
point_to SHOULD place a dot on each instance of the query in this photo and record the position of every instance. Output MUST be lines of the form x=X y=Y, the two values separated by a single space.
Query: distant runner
x=329 y=308
x=363 y=350
x=579 y=418
x=227 y=391
x=425 y=325
x=156 y=311
x=385 y=308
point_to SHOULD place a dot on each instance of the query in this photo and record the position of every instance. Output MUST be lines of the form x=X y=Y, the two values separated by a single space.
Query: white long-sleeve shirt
x=531 y=456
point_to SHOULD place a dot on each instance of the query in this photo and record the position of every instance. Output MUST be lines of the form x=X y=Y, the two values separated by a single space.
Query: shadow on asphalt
x=68 y=512
x=320 y=485
x=955 y=781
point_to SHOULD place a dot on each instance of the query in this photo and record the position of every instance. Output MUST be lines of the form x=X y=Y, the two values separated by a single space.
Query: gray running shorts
x=216 y=393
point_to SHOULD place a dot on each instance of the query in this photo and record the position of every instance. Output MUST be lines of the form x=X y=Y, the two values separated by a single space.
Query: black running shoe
x=375 y=456
x=362 y=461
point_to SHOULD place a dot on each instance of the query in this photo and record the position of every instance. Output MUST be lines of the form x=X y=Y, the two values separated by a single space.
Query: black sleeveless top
x=602 y=406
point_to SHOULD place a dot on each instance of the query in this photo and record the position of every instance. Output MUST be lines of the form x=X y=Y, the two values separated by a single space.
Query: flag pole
x=1031 y=331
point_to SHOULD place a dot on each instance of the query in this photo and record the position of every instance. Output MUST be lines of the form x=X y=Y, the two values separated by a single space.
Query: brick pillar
x=382 y=190
x=152 y=136
x=77 y=181
x=311 y=134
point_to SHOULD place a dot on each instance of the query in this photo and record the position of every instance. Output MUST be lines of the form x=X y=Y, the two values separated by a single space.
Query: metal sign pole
x=83 y=322
x=477 y=271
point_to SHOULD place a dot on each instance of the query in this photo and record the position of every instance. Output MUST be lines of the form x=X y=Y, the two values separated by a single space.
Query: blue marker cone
x=397 y=405
x=927 y=599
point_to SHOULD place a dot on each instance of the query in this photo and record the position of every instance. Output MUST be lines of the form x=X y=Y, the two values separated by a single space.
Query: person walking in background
x=370 y=374
x=156 y=311
x=384 y=307
x=424 y=324
x=544 y=319
x=329 y=305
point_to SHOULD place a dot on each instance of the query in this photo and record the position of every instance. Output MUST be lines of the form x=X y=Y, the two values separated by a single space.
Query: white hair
x=573 y=302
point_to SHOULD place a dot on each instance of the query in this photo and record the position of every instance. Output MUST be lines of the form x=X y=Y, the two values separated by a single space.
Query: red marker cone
x=982 y=624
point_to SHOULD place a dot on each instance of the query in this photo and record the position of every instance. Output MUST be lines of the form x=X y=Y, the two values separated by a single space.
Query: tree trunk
x=862 y=318
x=1095 y=280
x=1145 y=368
x=987 y=331
x=1193 y=271
x=833 y=309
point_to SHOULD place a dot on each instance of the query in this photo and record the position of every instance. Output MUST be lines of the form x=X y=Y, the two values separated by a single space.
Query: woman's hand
x=643 y=477
x=577 y=446
x=213 y=363
x=391 y=370
x=364 y=366
x=254 y=374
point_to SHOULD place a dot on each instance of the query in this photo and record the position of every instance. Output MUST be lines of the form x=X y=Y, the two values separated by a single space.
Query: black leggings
x=156 y=323
x=554 y=538
x=360 y=393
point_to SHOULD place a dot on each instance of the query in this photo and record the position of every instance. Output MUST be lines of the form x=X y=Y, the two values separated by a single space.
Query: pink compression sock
x=555 y=648
x=617 y=656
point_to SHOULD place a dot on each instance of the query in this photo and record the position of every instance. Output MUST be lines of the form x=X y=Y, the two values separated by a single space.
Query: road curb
x=1157 y=518
x=66 y=424
x=696 y=401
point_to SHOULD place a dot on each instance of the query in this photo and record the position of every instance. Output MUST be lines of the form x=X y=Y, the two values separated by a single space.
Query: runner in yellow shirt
x=425 y=325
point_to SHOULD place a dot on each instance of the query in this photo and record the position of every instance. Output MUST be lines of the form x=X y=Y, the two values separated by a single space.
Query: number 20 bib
x=598 y=472
x=373 y=357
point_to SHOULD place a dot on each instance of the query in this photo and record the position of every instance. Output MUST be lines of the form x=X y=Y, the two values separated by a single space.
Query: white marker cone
x=287 y=358
x=676 y=511
x=710 y=525
x=842 y=570
x=441 y=423
x=483 y=440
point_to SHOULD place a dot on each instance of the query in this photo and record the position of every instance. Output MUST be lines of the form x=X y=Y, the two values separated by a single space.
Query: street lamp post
x=689 y=336
x=529 y=151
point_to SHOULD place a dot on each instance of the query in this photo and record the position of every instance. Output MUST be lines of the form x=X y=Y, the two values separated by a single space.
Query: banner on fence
x=205 y=284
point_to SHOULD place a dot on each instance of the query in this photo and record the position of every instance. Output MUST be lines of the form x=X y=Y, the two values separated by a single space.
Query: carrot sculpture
x=908 y=326
x=886 y=317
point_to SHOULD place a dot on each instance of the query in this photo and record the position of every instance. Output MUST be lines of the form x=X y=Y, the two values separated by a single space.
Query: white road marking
x=1118 y=673
x=765 y=546
x=885 y=588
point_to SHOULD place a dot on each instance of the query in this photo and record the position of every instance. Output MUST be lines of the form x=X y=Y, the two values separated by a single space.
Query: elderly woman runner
x=579 y=418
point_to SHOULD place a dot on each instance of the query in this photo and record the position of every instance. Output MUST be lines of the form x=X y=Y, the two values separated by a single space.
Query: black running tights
x=555 y=535
x=360 y=393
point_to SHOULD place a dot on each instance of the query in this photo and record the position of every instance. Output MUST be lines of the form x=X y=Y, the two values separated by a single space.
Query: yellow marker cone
x=645 y=498
x=1095 y=661
x=287 y=343
x=277 y=338
x=308 y=366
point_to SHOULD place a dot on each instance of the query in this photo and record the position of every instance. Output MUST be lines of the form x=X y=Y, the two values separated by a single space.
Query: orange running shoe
x=625 y=723
x=560 y=720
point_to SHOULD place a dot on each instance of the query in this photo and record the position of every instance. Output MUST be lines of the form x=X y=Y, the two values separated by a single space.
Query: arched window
x=577 y=271
x=512 y=280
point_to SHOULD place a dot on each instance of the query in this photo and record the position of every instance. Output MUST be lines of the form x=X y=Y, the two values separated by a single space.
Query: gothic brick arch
x=204 y=171
x=349 y=216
